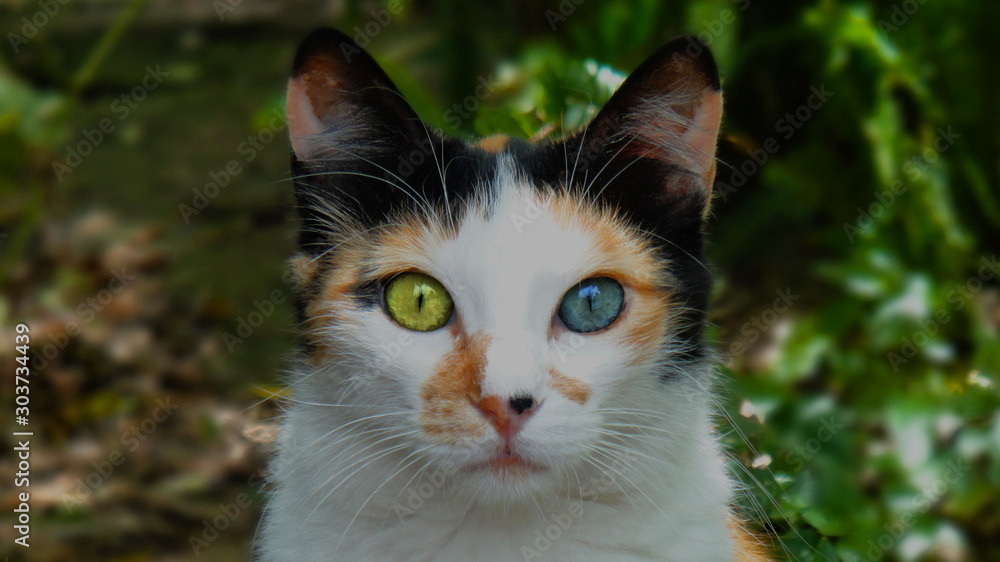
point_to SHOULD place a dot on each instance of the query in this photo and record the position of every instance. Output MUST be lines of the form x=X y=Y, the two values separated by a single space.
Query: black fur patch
x=376 y=187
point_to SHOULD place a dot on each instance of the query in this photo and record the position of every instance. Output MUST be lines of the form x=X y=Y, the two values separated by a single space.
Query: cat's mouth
x=507 y=463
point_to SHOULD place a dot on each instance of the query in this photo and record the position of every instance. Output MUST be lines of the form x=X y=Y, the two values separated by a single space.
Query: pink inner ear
x=303 y=125
x=700 y=136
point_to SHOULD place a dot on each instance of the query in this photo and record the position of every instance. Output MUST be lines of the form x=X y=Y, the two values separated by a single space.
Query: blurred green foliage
x=863 y=415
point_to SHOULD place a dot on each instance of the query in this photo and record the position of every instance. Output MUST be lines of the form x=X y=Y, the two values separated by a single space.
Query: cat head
x=505 y=308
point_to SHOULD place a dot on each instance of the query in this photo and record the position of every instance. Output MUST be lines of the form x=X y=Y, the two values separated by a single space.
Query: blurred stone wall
x=86 y=15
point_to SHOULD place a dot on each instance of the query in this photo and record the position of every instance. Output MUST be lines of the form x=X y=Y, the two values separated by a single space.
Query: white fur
x=377 y=490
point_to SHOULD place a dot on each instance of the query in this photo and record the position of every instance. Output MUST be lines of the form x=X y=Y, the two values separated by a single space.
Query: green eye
x=592 y=305
x=418 y=302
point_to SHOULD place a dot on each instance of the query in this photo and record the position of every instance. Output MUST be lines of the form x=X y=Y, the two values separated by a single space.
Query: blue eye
x=592 y=305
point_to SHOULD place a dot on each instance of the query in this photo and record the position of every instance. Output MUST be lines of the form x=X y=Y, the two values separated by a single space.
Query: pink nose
x=507 y=416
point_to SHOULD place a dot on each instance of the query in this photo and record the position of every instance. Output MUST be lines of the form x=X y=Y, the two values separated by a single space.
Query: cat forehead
x=518 y=233
x=526 y=230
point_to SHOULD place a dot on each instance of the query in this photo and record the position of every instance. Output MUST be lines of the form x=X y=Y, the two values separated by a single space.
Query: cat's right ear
x=340 y=100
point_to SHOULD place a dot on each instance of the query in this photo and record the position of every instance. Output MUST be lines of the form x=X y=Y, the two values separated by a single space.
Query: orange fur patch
x=646 y=325
x=406 y=246
x=380 y=253
x=542 y=133
x=339 y=284
x=495 y=412
x=304 y=269
x=628 y=257
x=449 y=395
x=574 y=390
x=494 y=143
x=333 y=298
x=749 y=548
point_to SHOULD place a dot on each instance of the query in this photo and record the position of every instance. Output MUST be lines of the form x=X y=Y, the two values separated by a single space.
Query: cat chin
x=506 y=490
x=513 y=474
x=503 y=481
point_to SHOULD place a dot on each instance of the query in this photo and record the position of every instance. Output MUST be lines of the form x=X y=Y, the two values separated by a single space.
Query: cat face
x=502 y=308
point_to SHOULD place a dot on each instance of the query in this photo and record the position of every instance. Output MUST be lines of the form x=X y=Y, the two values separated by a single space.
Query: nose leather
x=507 y=420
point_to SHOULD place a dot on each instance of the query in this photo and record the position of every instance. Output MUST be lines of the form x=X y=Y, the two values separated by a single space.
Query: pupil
x=590 y=292
x=420 y=300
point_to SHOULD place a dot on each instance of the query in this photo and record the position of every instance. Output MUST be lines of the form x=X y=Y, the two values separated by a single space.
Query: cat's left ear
x=340 y=98
x=666 y=113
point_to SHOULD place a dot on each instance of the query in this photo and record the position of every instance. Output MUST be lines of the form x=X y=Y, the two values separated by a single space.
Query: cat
x=502 y=349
